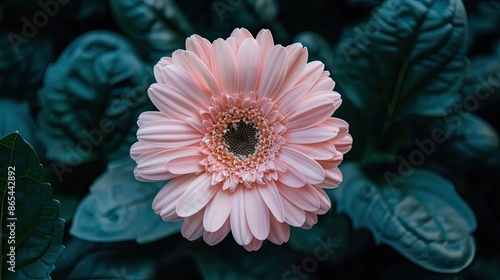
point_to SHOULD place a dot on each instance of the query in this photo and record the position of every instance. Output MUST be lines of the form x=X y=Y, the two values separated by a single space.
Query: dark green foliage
x=38 y=229
x=420 y=83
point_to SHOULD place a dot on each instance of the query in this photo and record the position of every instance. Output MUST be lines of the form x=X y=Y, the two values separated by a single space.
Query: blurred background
x=420 y=83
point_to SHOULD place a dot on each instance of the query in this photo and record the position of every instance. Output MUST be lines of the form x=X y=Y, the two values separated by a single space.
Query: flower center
x=241 y=138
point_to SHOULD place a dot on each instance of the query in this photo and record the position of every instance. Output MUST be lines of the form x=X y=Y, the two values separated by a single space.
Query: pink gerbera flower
x=244 y=131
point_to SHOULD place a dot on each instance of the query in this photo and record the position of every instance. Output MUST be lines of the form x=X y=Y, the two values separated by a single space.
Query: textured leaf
x=22 y=65
x=482 y=87
x=91 y=99
x=423 y=218
x=406 y=59
x=226 y=261
x=109 y=264
x=484 y=17
x=38 y=230
x=118 y=208
x=16 y=116
x=251 y=14
x=470 y=140
x=158 y=27
x=64 y=9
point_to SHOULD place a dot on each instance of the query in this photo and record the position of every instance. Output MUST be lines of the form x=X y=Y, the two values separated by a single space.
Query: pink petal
x=224 y=67
x=266 y=42
x=192 y=227
x=139 y=148
x=317 y=151
x=333 y=177
x=239 y=226
x=312 y=170
x=292 y=99
x=217 y=210
x=166 y=199
x=197 y=124
x=196 y=196
x=343 y=144
x=279 y=233
x=311 y=220
x=257 y=213
x=312 y=72
x=249 y=65
x=323 y=84
x=292 y=177
x=297 y=60
x=233 y=44
x=182 y=80
x=212 y=238
x=151 y=166
x=173 y=103
x=322 y=132
x=324 y=200
x=201 y=47
x=272 y=198
x=199 y=71
x=168 y=134
x=164 y=61
x=186 y=164
x=150 y=116
x=274 y=69
x=294 y=215
x=254 y=245
x=305 y=197
x=310 y=113
x=241 y=34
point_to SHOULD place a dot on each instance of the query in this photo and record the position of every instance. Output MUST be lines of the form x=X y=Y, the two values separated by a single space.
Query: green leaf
x=158 y=27
x=16 y=116
x=482 y=87
x=91 y=99
x=118 y=208
x=22 y=65
x=422 y=217
x=228 y=260
x=469 y=142
x=116 y=263
x=38 y=228
x=406 y=59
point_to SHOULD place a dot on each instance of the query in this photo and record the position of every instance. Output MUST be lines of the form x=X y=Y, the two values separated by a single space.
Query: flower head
x=244 y=131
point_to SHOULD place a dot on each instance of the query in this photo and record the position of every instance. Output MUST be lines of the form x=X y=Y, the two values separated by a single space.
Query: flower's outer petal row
x=248 y=61
x=201 y=47
x=199 y=71
x=224 y=67
x=272 y=198
x=266 y=42
x=322 y=132
x=196 y=196
x=239 y=225
x=279 y=233
x=310 y=169
x=241 y=34
x=212 y=238
x=166 y=199
x=257 y=213
x=274 y=69
x=218 y=210
x=168 y=134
